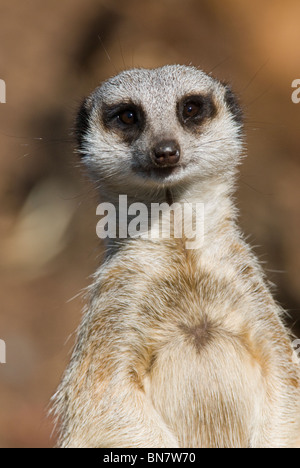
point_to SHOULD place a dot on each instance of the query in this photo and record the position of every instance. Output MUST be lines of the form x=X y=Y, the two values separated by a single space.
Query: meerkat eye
x=128 y=117
x=191 y=109
x=125 y=118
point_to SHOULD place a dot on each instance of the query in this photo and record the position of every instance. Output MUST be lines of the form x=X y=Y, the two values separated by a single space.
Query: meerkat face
x=161 y=127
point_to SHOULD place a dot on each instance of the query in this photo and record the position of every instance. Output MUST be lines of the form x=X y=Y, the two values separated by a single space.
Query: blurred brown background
x=51 y=54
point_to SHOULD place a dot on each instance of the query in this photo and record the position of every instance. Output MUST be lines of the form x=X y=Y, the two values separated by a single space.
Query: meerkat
x=177 y=347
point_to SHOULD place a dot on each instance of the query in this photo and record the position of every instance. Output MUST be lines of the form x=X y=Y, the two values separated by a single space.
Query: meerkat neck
x=215 y=198
x=205 y=211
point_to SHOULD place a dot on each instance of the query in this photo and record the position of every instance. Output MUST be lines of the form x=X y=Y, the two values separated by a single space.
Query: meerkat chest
x=190 y=355
x=207 y=388
x=202 y=378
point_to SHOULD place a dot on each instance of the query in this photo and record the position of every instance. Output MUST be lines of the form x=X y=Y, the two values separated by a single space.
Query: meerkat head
x=158 y=128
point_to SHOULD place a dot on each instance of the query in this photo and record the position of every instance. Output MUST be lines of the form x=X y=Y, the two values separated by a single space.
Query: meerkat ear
x=82 y=123
x=233 y=104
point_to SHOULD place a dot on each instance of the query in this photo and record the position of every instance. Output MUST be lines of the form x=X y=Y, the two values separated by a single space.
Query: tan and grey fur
x=177 y=347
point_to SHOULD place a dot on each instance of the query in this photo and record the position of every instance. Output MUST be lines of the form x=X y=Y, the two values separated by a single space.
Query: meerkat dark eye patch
x=126 y=119
x=193 y=110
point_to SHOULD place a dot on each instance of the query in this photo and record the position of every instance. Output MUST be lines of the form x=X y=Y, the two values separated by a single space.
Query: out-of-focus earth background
x=51 y=55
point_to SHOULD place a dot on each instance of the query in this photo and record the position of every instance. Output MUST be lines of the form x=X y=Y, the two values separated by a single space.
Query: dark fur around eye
x=193 y=110
x=116 y=118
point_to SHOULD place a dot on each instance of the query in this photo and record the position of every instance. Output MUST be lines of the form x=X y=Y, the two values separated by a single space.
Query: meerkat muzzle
x=166 y=153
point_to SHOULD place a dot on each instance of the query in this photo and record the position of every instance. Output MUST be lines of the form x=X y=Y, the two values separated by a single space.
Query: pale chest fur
x=199 y=339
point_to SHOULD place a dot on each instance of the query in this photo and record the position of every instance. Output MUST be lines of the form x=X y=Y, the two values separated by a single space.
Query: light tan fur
x=178 y=347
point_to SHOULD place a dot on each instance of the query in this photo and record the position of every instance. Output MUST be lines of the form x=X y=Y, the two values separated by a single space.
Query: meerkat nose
x=166 y=153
